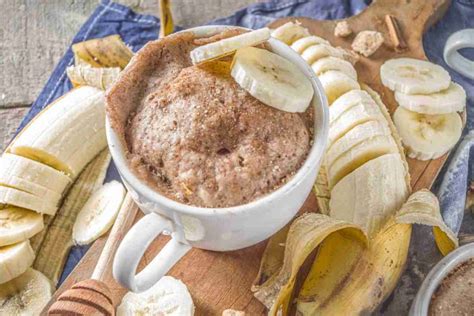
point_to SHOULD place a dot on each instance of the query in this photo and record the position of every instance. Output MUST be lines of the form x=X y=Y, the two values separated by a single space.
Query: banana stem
x=166 y=18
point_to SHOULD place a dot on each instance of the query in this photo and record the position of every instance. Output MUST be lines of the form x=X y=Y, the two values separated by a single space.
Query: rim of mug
x=313 y=158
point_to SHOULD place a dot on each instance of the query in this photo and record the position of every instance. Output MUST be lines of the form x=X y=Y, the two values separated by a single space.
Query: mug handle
x=458 y=40
x=134 y=245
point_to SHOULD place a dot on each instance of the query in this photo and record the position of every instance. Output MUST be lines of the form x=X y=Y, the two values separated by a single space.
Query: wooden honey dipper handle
x=92 y=296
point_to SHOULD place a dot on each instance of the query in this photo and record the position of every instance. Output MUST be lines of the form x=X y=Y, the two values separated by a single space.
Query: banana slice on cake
x=228 y=46
x=17 y=224
x=99 y=213
x=452 y=99
x=14 y=260
x=414 y=76
x=315 y=52
x=272 y=79
x=25 y=295
x=427 y=136
x=336 y=83
x=303 y=43
x=290 y=32
x=333 y=63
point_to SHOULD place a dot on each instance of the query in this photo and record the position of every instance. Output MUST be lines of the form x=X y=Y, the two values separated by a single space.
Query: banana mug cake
x=195 y=135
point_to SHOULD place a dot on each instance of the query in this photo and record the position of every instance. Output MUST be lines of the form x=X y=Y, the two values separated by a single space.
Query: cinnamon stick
x=395 y=32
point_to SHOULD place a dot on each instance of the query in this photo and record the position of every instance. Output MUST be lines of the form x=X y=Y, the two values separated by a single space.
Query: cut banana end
x=302 y=44
x=229 y=45
x=14 y=260
x=414 y=76
x=333 y=63
x=100 y=78
x=446 y=101
x=25 y=295
x=168 y=296
x=371 y=194
x=67 y=134
x=11 y=196
x=289 y=32
x=427 y=136
x=272 y=79
x=99 y=213
x=336 y=83
x=17 y=224
x=316 y=52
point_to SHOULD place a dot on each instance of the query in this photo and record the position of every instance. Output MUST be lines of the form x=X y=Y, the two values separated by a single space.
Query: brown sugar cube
x=231 y=312
x=367 y=42
x=342 y=29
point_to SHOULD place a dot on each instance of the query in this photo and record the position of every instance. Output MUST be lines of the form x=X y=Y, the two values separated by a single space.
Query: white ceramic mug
x=458 y=40
x=219 y=229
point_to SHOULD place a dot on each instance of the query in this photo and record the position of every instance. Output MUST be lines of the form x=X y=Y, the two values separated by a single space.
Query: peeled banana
x=17 y=224
x=290 y=32
x=302 y=44
x=14 y=260
x=333 y=63
x=11 y=196
x=336 y=83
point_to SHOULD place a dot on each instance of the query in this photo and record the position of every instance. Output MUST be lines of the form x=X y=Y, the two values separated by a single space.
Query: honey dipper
x=92 y=296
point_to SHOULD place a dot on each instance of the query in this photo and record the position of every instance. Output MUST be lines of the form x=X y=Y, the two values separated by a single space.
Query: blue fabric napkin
x=136 y=30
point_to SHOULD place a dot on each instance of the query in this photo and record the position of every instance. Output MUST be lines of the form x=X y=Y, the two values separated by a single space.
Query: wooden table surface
x=35 y=34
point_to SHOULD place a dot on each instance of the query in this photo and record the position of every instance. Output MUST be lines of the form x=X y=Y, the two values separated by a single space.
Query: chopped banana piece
x=100 y=78
x=342 y=29
x=367 y=42
x=17 y=224
x=14 y=260
x=11 y=196
x=318 y=51
x=272 y=79
x=336 y=83
x=48 y=196
x=303 y=43
x=346 y=101
x=289 y=32
x=333 y=63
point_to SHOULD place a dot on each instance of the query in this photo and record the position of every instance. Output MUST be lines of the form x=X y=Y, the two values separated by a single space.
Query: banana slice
x=289 y=32
x=358 y=114
x=371 y=194
x=14 y=260
x=32 y=188
x=99 y=213
x=272 y=79
x=11 y=196
x=300 y=45
x=446 y=101
x=315 y=52
x=358 y=155
x=414 y=76
x=25 y=295
x=228 y=46
x=17 y=224
x=333 y=63
x=336 y=83
x=168 y=296
x=31 y=171
x=346 y=101
x=67 y=134
x=427 y=136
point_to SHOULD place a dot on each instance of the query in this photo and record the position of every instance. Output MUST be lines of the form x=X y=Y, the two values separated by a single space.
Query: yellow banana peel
x=321 y=190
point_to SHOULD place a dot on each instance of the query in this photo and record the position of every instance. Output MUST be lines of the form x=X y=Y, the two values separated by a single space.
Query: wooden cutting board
x=218 y=281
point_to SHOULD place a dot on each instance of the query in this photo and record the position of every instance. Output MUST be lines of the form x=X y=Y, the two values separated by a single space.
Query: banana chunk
x=17 y=224
x=289 y=32
x=14 y=260
x=272 y=79
x=99 y=213
x=446 y=101
x=168 y=296
x=315 y=52
x=11 y=196
x=346 y=101
x=32 y=188
x=303 y=43
x=370 y=194
x=67 y=134
x=414 y=76
x=333 y=63
x=228 y=46
x=427 y=136
x=31 y=171
x=25 y=295
x=336 y=83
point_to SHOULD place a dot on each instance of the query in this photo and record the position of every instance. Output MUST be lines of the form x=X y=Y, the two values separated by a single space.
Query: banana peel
x=321 y=190
x=84 y=75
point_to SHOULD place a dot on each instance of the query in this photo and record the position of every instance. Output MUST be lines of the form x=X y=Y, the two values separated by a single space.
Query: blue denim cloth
x=136 y=30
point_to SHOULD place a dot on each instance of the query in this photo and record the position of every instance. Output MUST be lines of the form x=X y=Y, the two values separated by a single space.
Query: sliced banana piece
x=289 y=32
x=300 y=45
x=427 y=136
x=346 y=101
x=336 y=83
x=229 y=45
x=371 y=194
x=315 y=52
x=446 y=101
x=31 y=171
x=272 y=79
x=168 y=296
x=32 y=188
x=356 y=115
x=11 y=196
x=358 y=155
x=25 y=295
x=14 y=260
x=414 y=76
x=67 y=134
x=17 y=224
x=333 y=63
x=99 y=213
